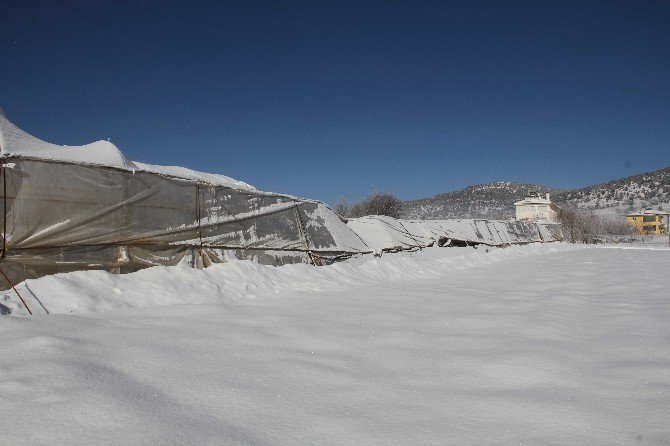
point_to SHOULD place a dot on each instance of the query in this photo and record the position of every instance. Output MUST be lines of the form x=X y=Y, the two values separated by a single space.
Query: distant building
x=648 y=221
x=536 y=208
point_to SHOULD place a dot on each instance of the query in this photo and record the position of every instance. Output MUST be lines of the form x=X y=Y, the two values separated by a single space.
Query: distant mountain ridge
x=496 y=200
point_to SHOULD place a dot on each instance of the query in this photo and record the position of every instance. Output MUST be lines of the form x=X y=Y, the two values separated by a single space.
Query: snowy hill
x=496 y=200
x=651 y=189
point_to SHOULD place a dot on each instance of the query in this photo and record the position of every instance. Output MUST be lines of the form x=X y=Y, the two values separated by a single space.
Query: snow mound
x=99 y=291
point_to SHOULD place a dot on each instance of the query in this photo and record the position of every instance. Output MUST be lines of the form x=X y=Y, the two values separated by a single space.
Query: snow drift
x=542 y=344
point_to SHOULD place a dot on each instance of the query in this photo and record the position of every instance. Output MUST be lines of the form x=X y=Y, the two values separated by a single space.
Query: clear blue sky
x=330 y=99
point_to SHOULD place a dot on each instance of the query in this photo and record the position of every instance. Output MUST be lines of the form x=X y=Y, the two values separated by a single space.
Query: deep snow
x=539 y=344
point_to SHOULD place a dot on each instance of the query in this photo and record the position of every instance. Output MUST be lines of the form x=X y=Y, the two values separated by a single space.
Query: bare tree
x=377 y=203
x=588 y=227
x=342 y=207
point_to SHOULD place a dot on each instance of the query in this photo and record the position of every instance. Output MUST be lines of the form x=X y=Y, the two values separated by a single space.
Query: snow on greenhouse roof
x=14 y=142
x=189 y=174
x=17 y=143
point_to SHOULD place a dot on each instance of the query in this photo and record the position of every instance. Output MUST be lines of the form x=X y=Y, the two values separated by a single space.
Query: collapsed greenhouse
x=68 y=208
x=386 y=234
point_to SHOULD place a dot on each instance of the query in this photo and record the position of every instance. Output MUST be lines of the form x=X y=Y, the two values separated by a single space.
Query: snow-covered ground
x=538 y=344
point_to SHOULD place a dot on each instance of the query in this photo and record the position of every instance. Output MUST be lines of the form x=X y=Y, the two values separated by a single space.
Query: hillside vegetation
x=496 y=200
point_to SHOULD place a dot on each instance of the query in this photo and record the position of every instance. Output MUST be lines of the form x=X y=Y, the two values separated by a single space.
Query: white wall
x=528 y=211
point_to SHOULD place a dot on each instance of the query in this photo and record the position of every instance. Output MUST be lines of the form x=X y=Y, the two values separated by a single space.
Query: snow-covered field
x=538 y=344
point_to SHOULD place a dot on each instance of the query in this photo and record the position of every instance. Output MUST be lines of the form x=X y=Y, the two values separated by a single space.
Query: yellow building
x=648 y=221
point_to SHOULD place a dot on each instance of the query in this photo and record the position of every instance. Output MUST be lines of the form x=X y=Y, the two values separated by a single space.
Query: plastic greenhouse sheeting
x=390 y=234
x=68 y=208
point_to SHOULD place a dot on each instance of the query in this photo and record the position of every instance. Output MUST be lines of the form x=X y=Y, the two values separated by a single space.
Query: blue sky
x=330 y=99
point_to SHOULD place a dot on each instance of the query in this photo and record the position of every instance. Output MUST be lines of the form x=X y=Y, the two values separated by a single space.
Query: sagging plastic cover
x=389 y=234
